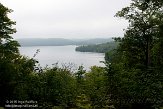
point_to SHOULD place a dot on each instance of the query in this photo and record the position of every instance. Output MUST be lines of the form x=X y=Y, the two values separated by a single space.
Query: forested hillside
x=131 y=79
x=45 y=42
x=94 y=41
x=60 y=41
x=100 y=48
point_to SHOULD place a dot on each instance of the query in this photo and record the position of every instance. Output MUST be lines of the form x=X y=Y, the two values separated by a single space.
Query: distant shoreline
x=61 y=41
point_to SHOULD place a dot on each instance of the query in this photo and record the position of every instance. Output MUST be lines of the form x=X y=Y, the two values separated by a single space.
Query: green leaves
x=137 y=62
x=9 y=56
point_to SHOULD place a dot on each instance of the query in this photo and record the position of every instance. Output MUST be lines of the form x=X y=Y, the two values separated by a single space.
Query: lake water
x=64 y=55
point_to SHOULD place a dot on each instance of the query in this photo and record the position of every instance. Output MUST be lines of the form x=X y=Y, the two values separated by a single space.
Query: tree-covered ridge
x=100 y=48
x=60 y=41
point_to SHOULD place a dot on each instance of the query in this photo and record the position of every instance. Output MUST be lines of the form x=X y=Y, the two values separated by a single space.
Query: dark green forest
x=131 y=79
x=99 y=48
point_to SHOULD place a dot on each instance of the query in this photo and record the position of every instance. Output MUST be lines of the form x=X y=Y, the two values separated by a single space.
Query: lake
x=64 y=55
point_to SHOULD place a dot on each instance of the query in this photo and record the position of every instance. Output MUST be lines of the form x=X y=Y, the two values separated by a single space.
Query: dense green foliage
x=100 y=48
x=132 y=78
x=8 y=54
x=137 y=65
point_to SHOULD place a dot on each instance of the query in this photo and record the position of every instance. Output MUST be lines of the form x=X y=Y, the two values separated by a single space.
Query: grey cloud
x=67 y=18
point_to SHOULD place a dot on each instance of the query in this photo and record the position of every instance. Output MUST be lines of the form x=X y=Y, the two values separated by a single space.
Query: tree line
x=131 y=79
x=99 y=48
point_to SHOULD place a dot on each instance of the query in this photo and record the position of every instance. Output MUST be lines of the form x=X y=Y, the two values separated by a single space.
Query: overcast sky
x=67 y=18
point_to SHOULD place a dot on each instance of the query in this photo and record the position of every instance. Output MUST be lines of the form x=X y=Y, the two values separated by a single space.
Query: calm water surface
x=64 y=55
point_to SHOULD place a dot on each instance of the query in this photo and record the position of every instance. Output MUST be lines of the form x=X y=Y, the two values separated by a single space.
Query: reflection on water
x=64 y=55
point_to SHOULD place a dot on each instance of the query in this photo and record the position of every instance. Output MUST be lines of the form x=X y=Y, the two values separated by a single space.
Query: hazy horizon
x=67 y=19
x=69 y=38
